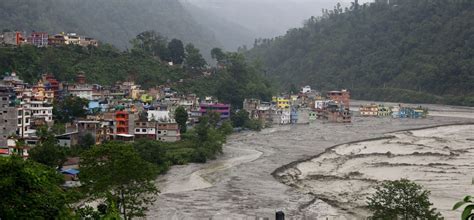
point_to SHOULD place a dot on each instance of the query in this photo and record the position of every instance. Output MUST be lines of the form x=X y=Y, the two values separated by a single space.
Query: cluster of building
x=398 y=111
x=123 y=111
x=306 y=106
x=43 y=39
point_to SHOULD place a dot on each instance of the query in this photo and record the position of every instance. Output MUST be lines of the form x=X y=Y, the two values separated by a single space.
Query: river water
x=262 y=172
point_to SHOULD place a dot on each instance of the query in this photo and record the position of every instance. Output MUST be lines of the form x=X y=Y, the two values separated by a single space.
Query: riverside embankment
x=240 y=184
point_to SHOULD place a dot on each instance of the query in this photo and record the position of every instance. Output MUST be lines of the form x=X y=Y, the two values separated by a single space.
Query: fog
x=261 y=18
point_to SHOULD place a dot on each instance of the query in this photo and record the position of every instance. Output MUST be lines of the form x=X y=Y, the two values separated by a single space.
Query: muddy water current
x=313 y=171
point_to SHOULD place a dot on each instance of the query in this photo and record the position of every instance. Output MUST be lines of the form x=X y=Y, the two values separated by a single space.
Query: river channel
x=277 y=168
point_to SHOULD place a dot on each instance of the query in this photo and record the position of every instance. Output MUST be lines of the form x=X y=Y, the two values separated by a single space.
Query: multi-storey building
x=81 y=89
x=281 y=102
x=343 y=97
x=369 y=110
x=8 y=115
x=251 y=105
x=146 y=130
x=14 y=38
x=121 y=122
x=222 y=109
x=168 y=132
x=39 y=39
x=41 y=112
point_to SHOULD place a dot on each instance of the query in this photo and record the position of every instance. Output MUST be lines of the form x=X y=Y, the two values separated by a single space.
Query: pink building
x=222 y=109
x=39 y=39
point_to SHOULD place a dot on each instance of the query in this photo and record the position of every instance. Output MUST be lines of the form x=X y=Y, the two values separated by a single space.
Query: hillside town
x=126 y=112
x=43 y=39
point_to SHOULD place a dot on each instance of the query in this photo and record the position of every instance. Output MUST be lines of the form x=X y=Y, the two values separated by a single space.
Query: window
x=137 y=130
x=143 y=130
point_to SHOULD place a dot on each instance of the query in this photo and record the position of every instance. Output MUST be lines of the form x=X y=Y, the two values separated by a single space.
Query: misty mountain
x=229 y=34
x=111 y=21
x=260 y=19
x=407 y=50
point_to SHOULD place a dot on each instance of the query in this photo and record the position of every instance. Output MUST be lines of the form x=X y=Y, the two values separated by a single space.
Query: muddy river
x=324 y=170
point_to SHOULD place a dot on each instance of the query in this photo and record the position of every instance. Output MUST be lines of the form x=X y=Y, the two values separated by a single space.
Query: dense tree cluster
x=233 y=80
x=386 y=48
x=103 y=65
x=30 y=190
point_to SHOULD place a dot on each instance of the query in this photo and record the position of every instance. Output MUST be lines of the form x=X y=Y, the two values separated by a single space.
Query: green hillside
x=103 y=65
x=412 y=51
x=114 y=22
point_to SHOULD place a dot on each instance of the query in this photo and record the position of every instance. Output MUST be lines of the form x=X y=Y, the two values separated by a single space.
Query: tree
x=151 y=43
x=116 y=172
x=30 y=190
x=401 y=199
x=194 y=60
x=87 y=141
x=240 y=118
x=176 y=51
x=181 y=117
x=48 y=151
x=226 y=127
x=70 y=108
x=468 y=203
x=218 y=54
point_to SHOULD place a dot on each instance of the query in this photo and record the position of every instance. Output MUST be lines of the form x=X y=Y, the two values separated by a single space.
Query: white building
x=281 y=116
x=158 y=115
x=305 y=89
x=84 y=91
x=41 y=109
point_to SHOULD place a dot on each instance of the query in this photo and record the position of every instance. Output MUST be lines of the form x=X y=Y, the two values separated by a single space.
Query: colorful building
x=383 y=111
x=281 y=102
x=342 y=97
x=121 y=122
x=222 y=109
x=39 y=39
x=369 y=110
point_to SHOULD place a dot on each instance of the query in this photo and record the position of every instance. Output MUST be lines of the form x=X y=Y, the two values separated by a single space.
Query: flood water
x=250 y=180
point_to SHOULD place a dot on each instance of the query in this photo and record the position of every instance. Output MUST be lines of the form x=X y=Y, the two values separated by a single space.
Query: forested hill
x=111 y=21
x=412 y=51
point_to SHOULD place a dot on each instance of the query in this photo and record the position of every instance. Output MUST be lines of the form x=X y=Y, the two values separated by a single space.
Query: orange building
x=121 y=119
x=341 y=97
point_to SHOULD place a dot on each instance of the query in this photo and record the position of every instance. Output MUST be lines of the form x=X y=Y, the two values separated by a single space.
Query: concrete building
x=281 y=103
x=41 y=110
x=264 y=111
x=158 y=115
x=369 y=110
x=342 y=97
x=168 y=132
x=337 y=112
x=146 y=130
x=13 y=38
x=222 y=109
x=8 y=115
x=38 y=39
x=305 y=89
x=81 y=89
x=121 y=122
x=281 y=116
x=251 y=106
x=383 y=111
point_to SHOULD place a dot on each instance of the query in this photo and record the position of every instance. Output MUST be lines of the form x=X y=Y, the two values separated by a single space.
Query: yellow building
x=281 y=102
